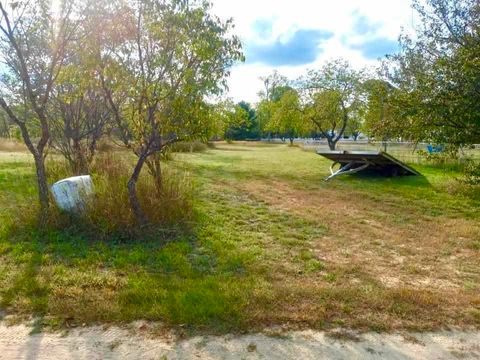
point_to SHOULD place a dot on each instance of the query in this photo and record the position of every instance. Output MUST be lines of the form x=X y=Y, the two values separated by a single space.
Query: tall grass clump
x=107 y=214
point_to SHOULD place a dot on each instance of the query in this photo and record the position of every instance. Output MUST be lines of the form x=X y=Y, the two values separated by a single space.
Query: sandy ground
x=16 y=342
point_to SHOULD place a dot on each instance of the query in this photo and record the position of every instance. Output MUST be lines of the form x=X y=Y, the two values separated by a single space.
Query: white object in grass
x=71 y=193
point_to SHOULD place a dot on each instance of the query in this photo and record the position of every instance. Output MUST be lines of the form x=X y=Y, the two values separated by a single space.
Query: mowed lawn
x=272 y=244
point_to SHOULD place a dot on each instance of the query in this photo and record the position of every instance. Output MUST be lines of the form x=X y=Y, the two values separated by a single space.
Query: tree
x=275 y=85
x=437 y=73
x=221 y=116
x=287 y=119
x=4 y=125
x=80 y=113
x=33 y=41
x=355 y=124
x=382 y=118
x=235 y=121
x=157 y=78
x=81 y=119
x=333 y=96
x=264 y=114
x=243 y=124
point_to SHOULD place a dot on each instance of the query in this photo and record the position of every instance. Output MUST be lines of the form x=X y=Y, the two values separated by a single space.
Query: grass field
x=271 y=244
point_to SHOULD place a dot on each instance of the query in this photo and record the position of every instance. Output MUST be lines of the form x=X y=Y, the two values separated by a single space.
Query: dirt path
x=115 y=343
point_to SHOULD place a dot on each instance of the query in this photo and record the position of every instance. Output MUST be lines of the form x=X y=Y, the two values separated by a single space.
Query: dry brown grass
x=423 y=252
x=10 y=145
x=380 y=271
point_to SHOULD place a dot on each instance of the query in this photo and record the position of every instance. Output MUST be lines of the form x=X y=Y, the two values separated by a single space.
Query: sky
x=292 y=36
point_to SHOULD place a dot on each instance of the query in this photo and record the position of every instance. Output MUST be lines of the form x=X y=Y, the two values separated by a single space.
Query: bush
x=194 y=146
x=108 y=212
x=447 y=159
x=471 y=172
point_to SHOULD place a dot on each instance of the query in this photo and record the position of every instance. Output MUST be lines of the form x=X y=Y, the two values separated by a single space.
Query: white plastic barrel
x=70 y=194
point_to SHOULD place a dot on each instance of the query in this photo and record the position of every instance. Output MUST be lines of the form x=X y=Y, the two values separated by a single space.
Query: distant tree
x=332 y=99
x=275 y=85
x=355 y=124
x=264 y=114
x=287 y=118
x=33 y=42
x=243 y=124
x=253 y=128
x=220 y=117
x=325 y=112
x=236 y=124
x=382 y=117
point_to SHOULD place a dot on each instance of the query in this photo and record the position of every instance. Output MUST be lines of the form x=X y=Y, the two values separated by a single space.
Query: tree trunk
x=331 y=144
x=42 y=187
x=291 y=141
x=78 y=163
x=132 y=191
x=155 y=170
x=4 y=130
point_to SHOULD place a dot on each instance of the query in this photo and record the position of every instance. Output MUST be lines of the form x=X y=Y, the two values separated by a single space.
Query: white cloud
x=287 y=16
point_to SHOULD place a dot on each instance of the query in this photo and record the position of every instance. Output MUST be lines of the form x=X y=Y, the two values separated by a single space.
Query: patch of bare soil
x=16 y=342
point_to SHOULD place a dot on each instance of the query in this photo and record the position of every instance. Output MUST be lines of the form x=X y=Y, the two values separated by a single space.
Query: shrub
x=108 y=213
x=447 y=159
x=194 y=146
x=471 y=172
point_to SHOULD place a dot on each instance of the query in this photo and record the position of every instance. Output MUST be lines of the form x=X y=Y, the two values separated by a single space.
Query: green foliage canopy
x=437 y=74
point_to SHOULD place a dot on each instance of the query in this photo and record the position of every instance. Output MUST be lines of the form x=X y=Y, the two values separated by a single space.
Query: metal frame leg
x=346 y=169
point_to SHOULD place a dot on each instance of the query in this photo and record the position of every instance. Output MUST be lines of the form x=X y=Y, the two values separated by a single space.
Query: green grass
x=272 y=244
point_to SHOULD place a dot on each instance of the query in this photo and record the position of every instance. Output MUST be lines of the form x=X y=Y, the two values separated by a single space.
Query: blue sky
x=293 y=36
x=302 y=47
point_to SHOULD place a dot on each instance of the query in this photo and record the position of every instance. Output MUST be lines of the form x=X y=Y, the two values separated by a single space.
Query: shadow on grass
x=72 y=278
x=26 y=285
x=419 y=181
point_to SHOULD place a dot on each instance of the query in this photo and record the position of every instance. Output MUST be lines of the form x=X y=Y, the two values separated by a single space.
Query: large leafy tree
x=437 y=73
x=33 y=43
x=175 y=54
x=333 y=96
